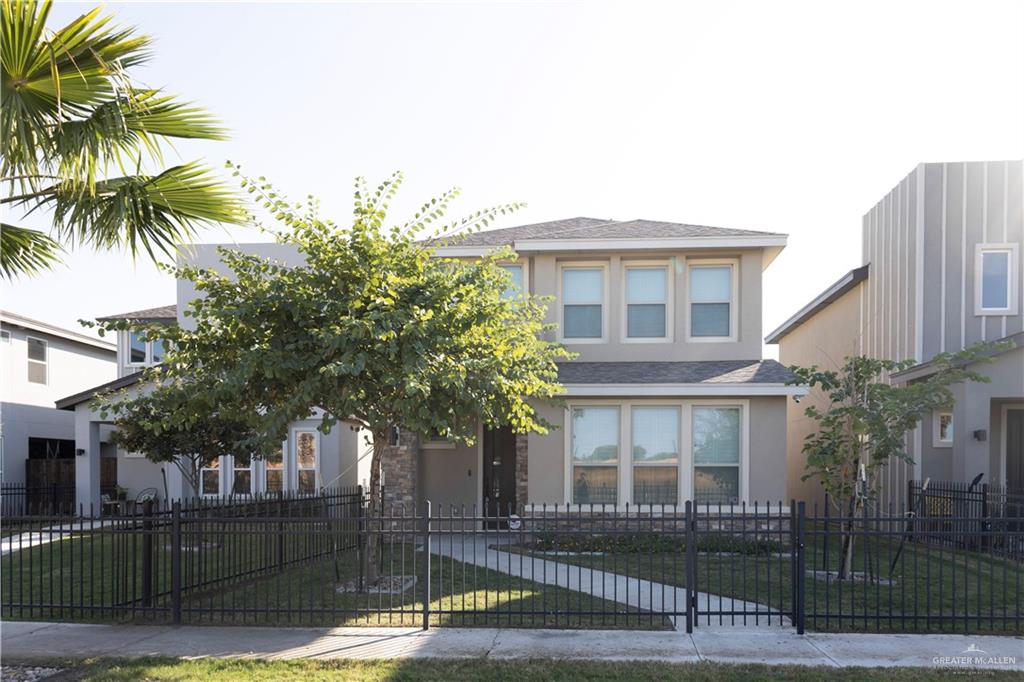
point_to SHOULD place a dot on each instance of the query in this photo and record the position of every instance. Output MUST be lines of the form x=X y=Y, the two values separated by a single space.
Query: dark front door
x=1014 y=449
x=499 y=472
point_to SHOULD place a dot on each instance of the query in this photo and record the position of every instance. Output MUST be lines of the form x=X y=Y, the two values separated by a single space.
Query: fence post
x=176 y=562
x=426 y=568
x=985 y=525
x=691 y=566
x=280 y=534
x=147 y=553
x=801 y=571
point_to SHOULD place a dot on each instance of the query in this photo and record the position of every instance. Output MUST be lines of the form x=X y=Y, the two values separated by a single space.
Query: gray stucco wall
x=449 y=477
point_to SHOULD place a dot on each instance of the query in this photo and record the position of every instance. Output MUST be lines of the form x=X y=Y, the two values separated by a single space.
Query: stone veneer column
x=400 y=467
x=522 y=464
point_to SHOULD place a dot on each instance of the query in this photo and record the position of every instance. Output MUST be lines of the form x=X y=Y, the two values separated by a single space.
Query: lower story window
x=274 y=467
x=241 y=482
x=716 y=455
x=307 y=458
x=209 y=478
x=595 y=454
x=655 y=455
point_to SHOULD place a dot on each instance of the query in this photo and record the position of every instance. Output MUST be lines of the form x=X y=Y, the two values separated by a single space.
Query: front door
x=499 y=472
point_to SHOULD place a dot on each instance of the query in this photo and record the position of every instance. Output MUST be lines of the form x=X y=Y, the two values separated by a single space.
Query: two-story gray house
x=941 y=271
x=669 y=398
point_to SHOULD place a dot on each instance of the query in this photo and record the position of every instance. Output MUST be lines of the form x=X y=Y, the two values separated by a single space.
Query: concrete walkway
x=29 y=641
x=635 y=592
x=47 y=534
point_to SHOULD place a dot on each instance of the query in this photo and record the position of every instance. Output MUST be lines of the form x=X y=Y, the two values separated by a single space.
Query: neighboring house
x=942 y=271
x=40 y=363
x=308 y=459
x=669 y=399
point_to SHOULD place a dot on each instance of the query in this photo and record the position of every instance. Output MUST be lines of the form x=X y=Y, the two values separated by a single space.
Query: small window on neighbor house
x=136 y=349
x=516 y=288
x=582 y=303
x=943 y=434
x=646 y=302
x=711 y=301
x=5 y=337
x=996 y=279
x=37 y=362
x=156 y=351
x=307 y=458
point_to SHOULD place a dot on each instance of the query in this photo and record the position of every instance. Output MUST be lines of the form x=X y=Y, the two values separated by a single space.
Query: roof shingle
x=691 y=372
x=162 y=313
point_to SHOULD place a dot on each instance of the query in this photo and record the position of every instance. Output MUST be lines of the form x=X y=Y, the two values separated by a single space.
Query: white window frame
x=744 y=455
x=654 y=465
x=622 y=412
x=734 y=264
x=45 y=363
x=260 y=483
x=220 y=479
x=525 y=265
x=669 y=300
x=127 y=351
x=625 y=472
x=1012 y=278
x=229 y=486
x=583 y=265
x=294 y=449
x=937 y=441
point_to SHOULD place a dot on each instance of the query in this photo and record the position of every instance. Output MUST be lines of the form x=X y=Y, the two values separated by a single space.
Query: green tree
x=79 y=138
x=371 y=327
x=864 y=423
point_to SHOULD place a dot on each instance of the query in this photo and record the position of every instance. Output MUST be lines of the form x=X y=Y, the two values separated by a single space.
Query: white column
x=87 y=460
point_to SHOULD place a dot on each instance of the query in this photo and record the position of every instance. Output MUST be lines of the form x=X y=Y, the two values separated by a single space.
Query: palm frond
x=26 y=252
x=144 y=213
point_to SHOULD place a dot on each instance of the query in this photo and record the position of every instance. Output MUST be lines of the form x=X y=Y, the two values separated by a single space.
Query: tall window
x=156 y=352
x=942 y=429
x=209 y=478
x=241 y=481
x=37 y=352
x=582 y=303
x=646 y=302
x=716 y=455
x=996 y=279
x=274 y=467
x=594 y=447
x=516 y=288
x=307 y=459
x=711 y=302
x=655 y=455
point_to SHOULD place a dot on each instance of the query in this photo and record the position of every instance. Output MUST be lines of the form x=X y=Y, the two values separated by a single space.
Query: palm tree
x=80 y=139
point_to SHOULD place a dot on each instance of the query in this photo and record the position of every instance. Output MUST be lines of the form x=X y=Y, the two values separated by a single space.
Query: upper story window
x=712 y=292
x=5 y=336
x=516 y=288
x=141 y=352
x=648 y=313
x=996 y=279
x=37 y=360
x=583 y=303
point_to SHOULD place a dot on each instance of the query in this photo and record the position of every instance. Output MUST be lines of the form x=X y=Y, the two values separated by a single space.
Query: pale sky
x=790 y=117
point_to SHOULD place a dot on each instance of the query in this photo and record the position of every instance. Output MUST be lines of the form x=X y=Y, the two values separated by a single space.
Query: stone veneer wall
x=400 y=466
x=522 y=462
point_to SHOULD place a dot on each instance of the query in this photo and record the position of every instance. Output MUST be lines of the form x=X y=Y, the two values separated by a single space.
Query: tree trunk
x=371 y=557
x=846 y=563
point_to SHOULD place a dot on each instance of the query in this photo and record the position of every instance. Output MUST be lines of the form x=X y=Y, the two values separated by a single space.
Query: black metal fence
x=978 y=516
x=18 y=499
x=323 y=560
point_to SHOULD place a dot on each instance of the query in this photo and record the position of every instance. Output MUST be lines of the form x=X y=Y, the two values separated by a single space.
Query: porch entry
x=1015 y=448
x=499 y=471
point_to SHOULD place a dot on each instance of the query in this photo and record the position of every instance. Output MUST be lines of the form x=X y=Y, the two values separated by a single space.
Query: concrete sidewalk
x=22 y=641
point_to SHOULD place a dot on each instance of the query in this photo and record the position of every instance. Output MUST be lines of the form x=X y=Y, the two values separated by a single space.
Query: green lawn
x=99 y=578
x=926 y=580
x=201 y=670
